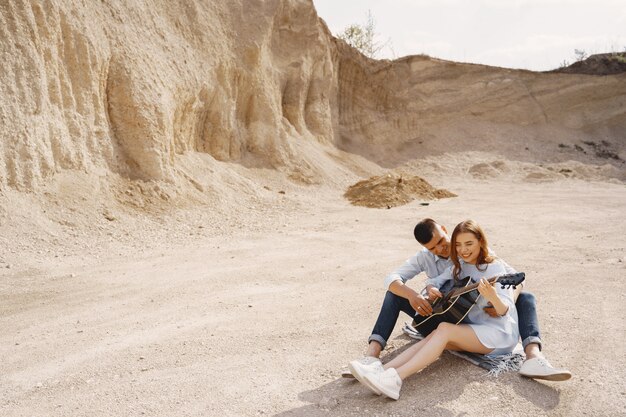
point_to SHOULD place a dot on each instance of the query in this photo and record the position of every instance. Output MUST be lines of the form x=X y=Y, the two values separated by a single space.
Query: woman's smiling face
x=467 y=247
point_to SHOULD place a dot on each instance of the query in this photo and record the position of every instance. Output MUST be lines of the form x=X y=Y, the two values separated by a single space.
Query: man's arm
x=438 y=281
x=396 y=283
x=408 y=270
x=417 y=300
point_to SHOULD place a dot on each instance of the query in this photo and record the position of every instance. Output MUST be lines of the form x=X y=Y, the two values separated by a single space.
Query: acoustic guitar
x=455 y=304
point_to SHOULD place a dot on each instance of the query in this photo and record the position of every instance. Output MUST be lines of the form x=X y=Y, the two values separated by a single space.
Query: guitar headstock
x=511 y=280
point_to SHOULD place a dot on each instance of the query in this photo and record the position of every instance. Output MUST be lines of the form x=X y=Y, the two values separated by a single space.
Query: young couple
x=492 y=327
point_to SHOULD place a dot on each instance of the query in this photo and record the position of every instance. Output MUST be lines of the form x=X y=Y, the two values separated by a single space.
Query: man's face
x=440 y=243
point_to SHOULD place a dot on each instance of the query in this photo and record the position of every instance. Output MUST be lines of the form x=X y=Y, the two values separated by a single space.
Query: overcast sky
x=532 y=34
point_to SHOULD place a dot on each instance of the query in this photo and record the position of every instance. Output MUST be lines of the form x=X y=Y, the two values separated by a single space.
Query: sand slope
x=127 y=89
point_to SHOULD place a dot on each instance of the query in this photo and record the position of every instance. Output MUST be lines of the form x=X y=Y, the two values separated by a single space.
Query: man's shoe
x=368 y=365
x=540 y=368
x=387 y=382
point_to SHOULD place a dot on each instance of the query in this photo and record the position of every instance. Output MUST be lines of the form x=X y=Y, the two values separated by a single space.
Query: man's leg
x=387 y=318
x=526 y=306
x=536 y=365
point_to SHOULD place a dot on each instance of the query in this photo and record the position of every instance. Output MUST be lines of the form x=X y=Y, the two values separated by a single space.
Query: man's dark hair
x=424 y=230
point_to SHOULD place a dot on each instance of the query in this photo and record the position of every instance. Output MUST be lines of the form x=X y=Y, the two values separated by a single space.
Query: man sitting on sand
x=433 y=260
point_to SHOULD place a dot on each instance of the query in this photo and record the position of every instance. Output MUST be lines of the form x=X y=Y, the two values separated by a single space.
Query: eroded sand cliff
x=127 y=88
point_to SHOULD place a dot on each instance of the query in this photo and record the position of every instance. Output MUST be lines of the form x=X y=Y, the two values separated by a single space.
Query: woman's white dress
x=499 y=333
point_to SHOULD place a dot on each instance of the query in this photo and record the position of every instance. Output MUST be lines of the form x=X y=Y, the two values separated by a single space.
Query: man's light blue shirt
x=432 y=265
x=422 y=261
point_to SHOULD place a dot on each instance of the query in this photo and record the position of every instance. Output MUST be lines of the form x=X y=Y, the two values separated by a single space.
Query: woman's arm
x=488 y=291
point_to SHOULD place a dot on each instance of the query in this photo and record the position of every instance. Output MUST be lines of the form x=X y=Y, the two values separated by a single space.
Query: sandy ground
x=174 y=240
x=261 y=323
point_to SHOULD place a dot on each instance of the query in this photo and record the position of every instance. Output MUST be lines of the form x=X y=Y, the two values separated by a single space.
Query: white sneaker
x=368 y=365
x=366 y=360
x=540 y=368
x=387 y=382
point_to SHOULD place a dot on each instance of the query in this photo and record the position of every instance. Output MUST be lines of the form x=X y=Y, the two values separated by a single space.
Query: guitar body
x=456 y=303
x=447 y=309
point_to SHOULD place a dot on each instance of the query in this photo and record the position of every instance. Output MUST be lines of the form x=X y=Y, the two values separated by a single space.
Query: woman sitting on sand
x=483 y=334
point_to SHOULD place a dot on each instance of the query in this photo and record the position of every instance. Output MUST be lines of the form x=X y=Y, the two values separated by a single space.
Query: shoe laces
x=368 y=360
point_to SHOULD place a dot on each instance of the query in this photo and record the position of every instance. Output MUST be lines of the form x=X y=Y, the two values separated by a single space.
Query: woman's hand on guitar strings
x=487 y=290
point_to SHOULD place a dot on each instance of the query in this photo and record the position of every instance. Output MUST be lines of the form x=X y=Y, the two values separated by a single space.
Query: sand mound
x=484 y=170
x=391 y=190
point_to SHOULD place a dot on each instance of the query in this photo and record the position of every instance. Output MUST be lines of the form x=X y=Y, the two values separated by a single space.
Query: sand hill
x=154 y=105
x=147 y=147
x=129 y=89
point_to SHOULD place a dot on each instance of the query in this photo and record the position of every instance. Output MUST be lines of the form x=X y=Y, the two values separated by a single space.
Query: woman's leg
x=458 y=337
x=402 y=358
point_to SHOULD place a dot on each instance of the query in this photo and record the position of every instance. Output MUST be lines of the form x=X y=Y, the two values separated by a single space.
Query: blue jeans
x=388 y=316
x=526 y=306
